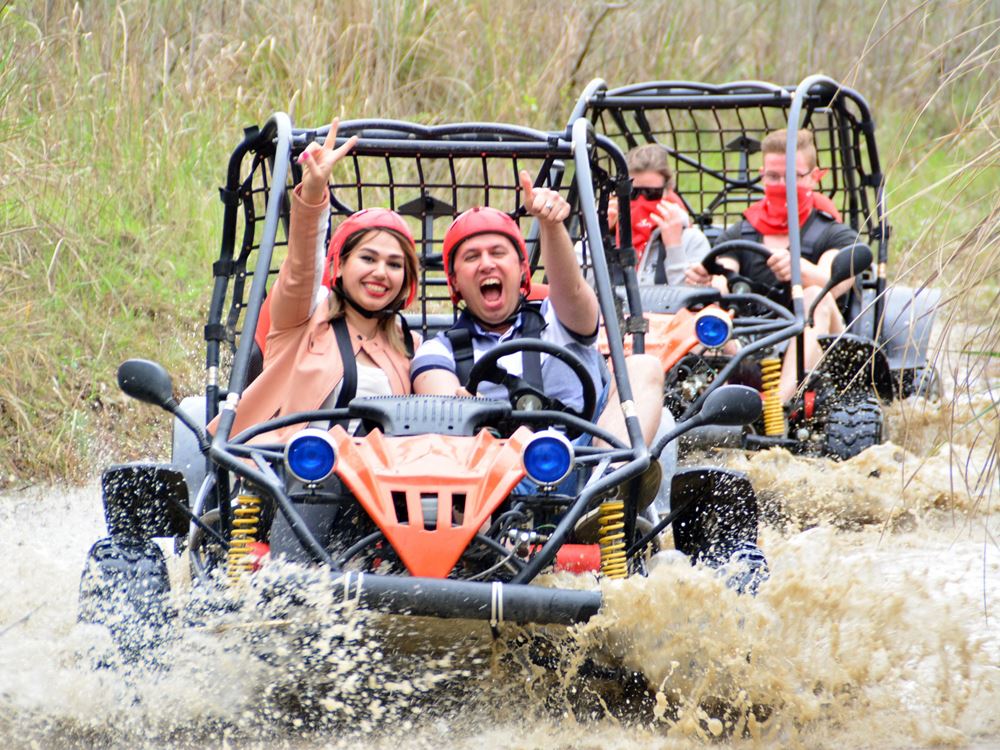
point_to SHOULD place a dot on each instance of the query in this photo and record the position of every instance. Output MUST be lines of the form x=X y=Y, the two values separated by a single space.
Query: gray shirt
x=694 y=246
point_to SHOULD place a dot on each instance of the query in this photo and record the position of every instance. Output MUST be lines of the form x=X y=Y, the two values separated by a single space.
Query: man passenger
x=766 y=221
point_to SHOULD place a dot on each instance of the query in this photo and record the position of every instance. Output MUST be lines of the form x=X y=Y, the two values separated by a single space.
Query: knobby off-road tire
x=924 y=382
x=852 y=427
x=125 y=587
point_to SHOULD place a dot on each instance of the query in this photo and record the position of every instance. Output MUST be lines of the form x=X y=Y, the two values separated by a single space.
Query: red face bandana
x=770 y=215
x=642 y=226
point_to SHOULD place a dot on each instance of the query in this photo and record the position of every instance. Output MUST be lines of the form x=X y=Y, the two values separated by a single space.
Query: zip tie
x=496 y=604
x=347 y=586
x=361 y=582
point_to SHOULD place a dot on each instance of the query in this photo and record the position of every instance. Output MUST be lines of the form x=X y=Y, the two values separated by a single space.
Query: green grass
x=116 y=122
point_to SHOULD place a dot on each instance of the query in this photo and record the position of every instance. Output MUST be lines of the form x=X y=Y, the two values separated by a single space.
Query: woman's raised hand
x=317 y=163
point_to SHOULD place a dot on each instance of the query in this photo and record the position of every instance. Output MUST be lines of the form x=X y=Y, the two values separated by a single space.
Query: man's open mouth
x=491 y=290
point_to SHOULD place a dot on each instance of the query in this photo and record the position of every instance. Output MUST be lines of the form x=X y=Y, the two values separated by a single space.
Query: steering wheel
x=735 y=279
x=522 y=394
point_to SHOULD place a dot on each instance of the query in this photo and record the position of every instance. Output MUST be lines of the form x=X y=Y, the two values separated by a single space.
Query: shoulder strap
x=534 y=324
x=407 y=335
x=815 y=229
x=349 y=385
x=461 y=347
x=657 y=245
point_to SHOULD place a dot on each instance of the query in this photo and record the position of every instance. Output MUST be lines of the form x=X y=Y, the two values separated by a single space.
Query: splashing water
x=878 y=628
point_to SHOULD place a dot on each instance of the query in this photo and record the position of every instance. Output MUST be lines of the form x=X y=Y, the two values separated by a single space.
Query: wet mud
x=878 y=628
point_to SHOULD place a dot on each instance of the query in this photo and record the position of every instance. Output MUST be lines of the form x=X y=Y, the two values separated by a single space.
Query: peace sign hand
x=317 y=163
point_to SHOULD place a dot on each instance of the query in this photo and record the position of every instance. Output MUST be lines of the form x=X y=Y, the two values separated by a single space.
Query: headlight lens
x=713 y=329
x=310 y=455
x=548 y=457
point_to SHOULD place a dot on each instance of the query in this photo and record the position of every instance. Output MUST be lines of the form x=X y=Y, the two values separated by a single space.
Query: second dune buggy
x=711 y=133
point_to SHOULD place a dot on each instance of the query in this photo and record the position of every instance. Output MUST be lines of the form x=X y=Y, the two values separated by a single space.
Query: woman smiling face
x=374 y=271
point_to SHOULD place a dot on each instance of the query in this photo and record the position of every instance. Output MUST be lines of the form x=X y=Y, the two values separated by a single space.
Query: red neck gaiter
x=769 y=216
x=642 y=226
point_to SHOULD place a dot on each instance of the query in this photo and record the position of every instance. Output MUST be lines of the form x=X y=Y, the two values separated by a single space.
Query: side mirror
x=726 y=406
x=847 y=263
x=147 y=381
x=731 y=406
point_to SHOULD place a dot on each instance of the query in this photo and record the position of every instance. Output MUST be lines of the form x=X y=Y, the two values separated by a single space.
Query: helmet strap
x=508 y=322
x=386 y=312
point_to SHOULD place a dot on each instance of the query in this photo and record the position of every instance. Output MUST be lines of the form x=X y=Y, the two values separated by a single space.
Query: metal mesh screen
x=713 y=136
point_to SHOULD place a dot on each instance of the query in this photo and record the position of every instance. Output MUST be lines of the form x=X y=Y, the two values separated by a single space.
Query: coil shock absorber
x=611 y=519
x=246 y=520
x=774 y=414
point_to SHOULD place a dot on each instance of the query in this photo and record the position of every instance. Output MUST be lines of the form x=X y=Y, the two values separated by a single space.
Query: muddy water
x=880 y=627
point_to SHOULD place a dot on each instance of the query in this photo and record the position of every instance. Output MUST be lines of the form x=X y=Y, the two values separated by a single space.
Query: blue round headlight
x=713 y=330
x=310 y=455
x=548 y=457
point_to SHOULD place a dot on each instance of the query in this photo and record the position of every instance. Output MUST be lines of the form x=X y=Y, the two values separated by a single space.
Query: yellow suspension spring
x=246 y=518
x=611 y=518
x=774 y=414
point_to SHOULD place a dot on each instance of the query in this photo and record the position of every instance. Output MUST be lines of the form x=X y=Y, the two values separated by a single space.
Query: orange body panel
x=670 y=336
x=467 y=477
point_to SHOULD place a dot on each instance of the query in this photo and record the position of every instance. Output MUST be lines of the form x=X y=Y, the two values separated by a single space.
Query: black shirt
x=819 y=234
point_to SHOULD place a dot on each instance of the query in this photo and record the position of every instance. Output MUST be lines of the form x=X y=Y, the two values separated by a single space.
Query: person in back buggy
x=665 y=242
x=766 y=222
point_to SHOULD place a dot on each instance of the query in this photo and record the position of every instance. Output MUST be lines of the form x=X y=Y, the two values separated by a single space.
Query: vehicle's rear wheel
x=852 y=427
x=922 y=381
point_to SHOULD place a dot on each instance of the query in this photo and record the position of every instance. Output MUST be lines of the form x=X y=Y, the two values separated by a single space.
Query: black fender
x=145 y=500
x=906 y=325
x=716 y=513
x=852 y=364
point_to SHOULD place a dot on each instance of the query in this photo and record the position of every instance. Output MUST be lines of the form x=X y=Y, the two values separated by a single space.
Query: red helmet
x=483 y=220
x=363 y=221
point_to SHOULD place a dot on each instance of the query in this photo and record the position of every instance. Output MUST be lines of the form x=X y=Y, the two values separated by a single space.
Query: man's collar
x=467 y=320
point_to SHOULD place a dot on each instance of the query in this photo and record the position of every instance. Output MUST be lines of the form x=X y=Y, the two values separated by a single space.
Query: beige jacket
x=302 y=363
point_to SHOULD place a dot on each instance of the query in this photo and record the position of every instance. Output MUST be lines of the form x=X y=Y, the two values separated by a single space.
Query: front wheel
x=852 y=427
x=125 y=588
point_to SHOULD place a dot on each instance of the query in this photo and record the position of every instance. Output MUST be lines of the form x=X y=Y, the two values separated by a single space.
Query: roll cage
x=710 y=132
x=429 y=174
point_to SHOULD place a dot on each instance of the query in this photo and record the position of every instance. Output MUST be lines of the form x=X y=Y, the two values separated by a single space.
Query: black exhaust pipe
x=469 y=600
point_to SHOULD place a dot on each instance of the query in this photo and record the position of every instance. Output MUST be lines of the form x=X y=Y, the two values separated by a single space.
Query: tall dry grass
x=116 y=120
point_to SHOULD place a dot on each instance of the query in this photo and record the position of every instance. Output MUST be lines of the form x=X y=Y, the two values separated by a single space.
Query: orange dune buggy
x=438 y=506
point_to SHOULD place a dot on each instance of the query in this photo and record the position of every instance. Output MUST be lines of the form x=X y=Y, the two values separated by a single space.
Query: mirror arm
x=686 y=426
x=819 y=297
x=174 y=408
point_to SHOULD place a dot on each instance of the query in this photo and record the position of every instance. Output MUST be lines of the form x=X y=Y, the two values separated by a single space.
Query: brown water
x=880 y=627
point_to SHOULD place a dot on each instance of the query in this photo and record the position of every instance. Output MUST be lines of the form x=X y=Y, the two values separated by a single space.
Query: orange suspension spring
x=246 y=519
x=774 y=414
x=611 y=518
